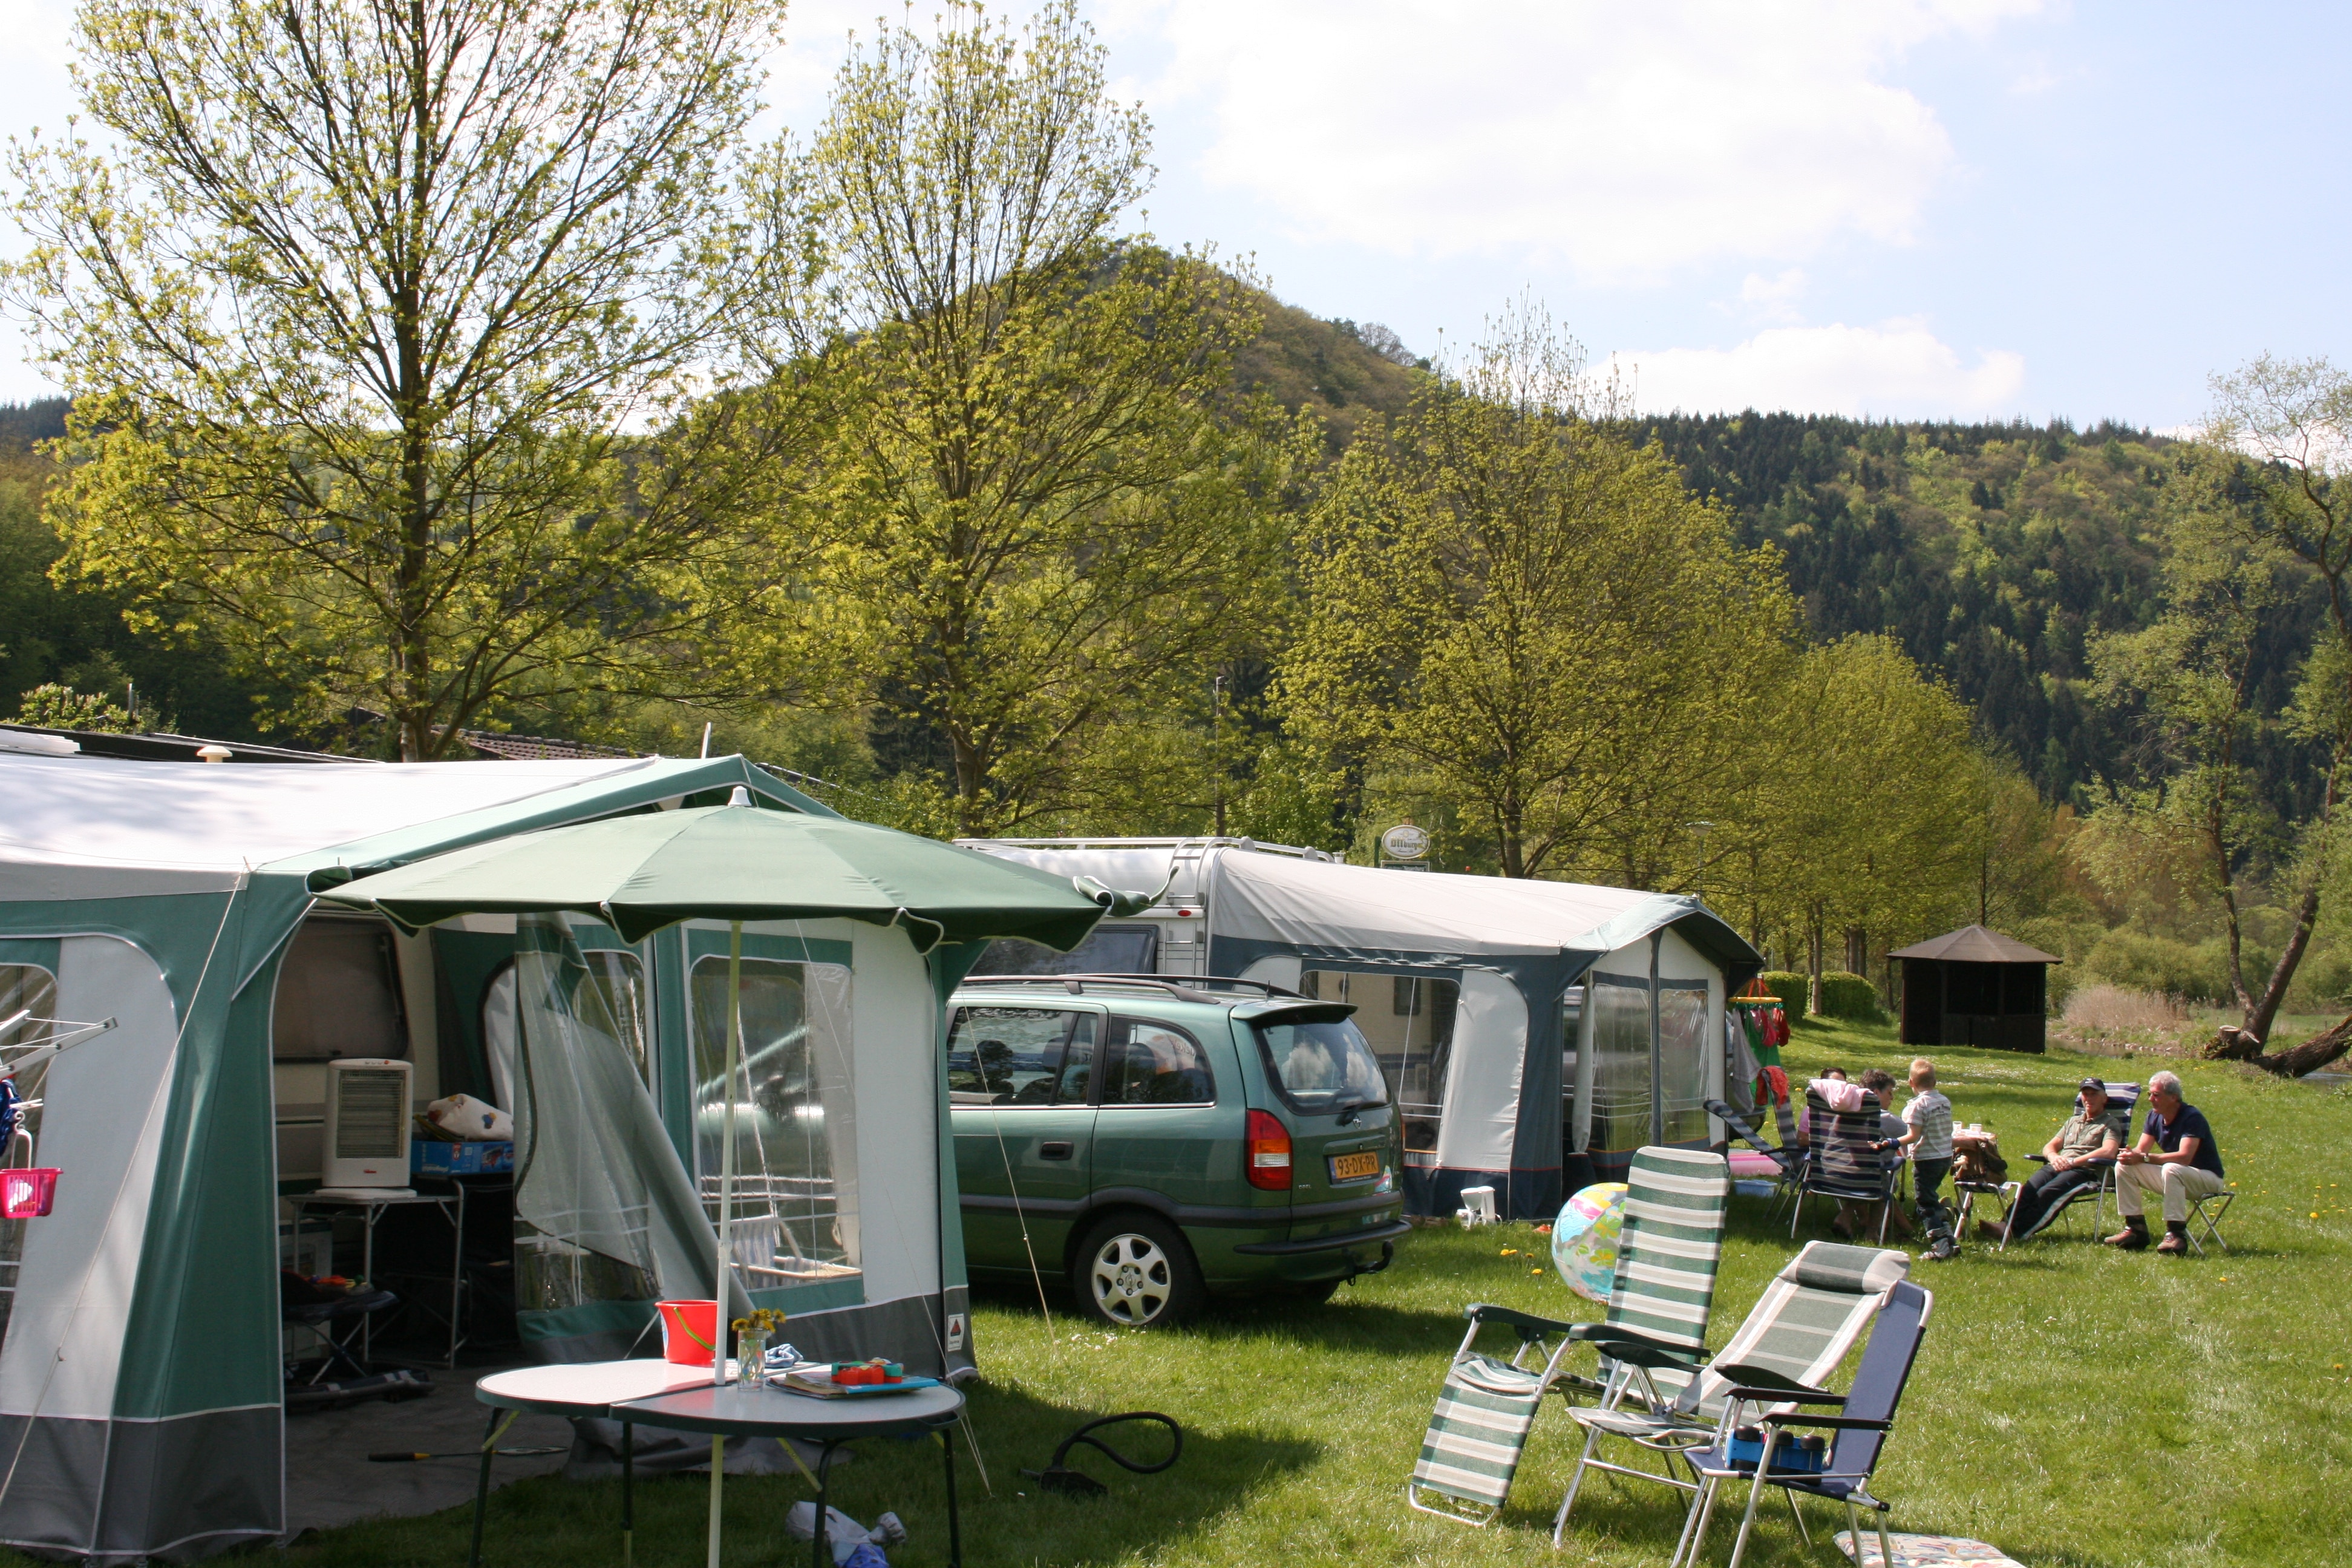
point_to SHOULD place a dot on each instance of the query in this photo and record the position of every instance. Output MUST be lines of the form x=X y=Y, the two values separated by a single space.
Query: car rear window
x=1322 y=1064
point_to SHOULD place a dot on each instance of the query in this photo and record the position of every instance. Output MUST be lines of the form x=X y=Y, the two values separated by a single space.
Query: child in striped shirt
x=1928 y=1117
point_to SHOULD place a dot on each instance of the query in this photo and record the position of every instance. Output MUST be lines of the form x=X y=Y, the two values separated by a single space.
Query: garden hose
x=410 y=1456
x=1059 y=1478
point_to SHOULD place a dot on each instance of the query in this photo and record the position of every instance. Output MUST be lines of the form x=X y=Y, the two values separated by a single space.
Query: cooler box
x=438 y=1159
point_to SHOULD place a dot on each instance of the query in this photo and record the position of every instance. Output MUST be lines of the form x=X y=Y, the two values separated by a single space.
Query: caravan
x=1533 y=1033
x=140 y=1357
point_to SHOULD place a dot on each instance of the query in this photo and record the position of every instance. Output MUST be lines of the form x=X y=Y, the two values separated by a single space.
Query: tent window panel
x=1571 y=1019
x=1006 y=1055
x=620 y=978
x=23 y=988
x=338 y=993
x=1683 y=1052
x=795 y=1135
x=617 y=978
x=1107 y=950
x=1408 y=1020
x=1621 y=1065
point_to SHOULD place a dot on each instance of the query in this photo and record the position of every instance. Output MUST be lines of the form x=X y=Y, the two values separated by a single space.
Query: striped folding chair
x=1660 y=1300
x=1808 y=1316
x=1846 y=1162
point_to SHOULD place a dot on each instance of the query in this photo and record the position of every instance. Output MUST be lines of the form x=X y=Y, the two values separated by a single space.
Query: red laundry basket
x=689 y=1329
x=26 y=1194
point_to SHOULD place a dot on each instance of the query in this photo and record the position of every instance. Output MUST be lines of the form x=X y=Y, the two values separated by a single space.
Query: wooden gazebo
x=1974 y=987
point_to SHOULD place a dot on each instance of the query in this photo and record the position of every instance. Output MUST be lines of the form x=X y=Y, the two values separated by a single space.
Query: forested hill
x=1991 y=552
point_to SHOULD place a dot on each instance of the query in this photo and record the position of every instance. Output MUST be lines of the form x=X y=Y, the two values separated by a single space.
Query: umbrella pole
x=726 y=1211
x=727 y=1141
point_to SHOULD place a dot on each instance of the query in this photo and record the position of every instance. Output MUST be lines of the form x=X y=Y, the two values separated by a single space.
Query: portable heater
x=367 y=1128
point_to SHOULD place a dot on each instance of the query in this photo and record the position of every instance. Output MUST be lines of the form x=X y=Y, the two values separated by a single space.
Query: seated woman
x=2077 y=1154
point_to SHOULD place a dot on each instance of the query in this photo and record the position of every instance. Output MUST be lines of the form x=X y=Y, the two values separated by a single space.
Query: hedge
x=1846 y=996
x=1791 y=987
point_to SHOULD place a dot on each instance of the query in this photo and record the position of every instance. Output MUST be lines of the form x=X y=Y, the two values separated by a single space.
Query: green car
x=1154 y=1142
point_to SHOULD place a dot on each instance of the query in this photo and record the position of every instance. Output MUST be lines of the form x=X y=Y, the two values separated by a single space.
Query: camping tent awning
x=89 y=826
x=1976 y=944
x=1335 y=908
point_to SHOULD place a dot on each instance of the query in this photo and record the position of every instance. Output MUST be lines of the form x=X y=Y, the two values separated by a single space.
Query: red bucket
x=689 y=1329
x=26 y=1194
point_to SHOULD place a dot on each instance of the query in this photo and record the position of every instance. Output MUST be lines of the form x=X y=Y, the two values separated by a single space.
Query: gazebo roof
x=1976 y=944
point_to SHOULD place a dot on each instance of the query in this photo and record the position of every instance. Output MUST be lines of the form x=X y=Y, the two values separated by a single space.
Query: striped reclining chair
x=1659 y=1303
x=1808 y=1316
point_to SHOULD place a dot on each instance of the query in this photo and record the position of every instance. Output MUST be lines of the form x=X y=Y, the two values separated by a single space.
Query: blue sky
x=1921 y=208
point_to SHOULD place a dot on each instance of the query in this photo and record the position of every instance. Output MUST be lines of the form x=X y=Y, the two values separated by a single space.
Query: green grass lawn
x=2075 y=1405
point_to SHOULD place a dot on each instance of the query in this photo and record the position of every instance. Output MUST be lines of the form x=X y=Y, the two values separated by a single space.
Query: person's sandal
x=2126 y=1241
x=2173 y=1242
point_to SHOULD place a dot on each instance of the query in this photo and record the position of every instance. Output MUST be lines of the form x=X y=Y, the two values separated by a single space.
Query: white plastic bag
x=474 y=1121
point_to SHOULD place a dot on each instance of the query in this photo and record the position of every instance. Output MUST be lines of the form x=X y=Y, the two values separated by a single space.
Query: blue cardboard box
x=433 y=1158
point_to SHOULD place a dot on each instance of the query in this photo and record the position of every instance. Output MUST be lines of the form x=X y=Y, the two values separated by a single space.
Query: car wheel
x=1134 y=1271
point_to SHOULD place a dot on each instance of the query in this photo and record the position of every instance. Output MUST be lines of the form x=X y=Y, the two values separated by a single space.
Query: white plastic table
x=771 y=1412
x=592 y=1388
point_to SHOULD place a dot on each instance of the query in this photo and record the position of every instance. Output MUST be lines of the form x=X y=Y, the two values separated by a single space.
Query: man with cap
x=2176 y=1158
x=2078 y=1154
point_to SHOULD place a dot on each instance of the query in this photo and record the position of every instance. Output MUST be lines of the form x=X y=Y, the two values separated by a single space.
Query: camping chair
x=1659 y=1304
x=2121 y=1099
x=1844 y=1162
x=1866 y=1415
x=1789 y=1164
x=1808 y=1318
x=2219 y=1204
x=339 y=1375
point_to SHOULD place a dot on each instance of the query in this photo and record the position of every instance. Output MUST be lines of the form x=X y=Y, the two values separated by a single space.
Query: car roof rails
x=1185 y=988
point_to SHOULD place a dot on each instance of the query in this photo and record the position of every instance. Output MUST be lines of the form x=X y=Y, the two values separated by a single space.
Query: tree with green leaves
x=2191 y=677
x=1859 y=824
x=2272 y=472
x=1517 y=613
x=1042 y=521
x=382 y=323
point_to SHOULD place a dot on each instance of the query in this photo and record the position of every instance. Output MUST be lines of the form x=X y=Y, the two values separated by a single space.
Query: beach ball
x=1585 y=1239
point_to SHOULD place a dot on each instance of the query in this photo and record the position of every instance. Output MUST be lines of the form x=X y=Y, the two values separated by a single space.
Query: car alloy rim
x=1131 y=1280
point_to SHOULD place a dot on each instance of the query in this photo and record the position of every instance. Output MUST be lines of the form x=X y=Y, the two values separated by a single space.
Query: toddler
x=1928 y=1141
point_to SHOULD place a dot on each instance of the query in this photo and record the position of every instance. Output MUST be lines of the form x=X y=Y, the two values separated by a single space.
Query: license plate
x=1355 y=1167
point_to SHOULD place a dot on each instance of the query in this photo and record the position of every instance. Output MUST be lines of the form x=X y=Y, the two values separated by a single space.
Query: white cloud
x=1897 y=369
x=1773 y=299
x=1627 y=141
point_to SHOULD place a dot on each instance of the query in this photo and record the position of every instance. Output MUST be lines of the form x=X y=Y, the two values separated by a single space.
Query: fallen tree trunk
x=2232 y=1043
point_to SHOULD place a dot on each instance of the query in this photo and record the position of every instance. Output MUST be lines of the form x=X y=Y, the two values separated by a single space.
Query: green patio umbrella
x=737 y=863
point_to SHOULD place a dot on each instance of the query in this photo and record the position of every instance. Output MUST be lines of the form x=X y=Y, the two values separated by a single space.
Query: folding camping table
x=596 y=1389
x=724 y=1411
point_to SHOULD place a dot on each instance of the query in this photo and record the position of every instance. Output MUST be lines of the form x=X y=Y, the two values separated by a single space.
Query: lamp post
x=1217 y=743
x=1700 y=828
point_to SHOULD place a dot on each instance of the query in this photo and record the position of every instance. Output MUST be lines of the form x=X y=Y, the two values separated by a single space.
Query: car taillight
x=1266 y=1161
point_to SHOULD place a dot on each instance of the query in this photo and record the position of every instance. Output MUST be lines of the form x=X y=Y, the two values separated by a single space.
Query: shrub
x=56 y=706
x=2113 y=1008
x=1846 y=996
x=2135 y=962
x=1791 y=988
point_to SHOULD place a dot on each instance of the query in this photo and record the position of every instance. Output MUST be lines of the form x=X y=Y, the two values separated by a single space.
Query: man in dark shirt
x=2176 y=1157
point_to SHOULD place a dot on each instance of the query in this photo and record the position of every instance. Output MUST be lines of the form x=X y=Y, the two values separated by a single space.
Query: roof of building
x=1976 y=944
